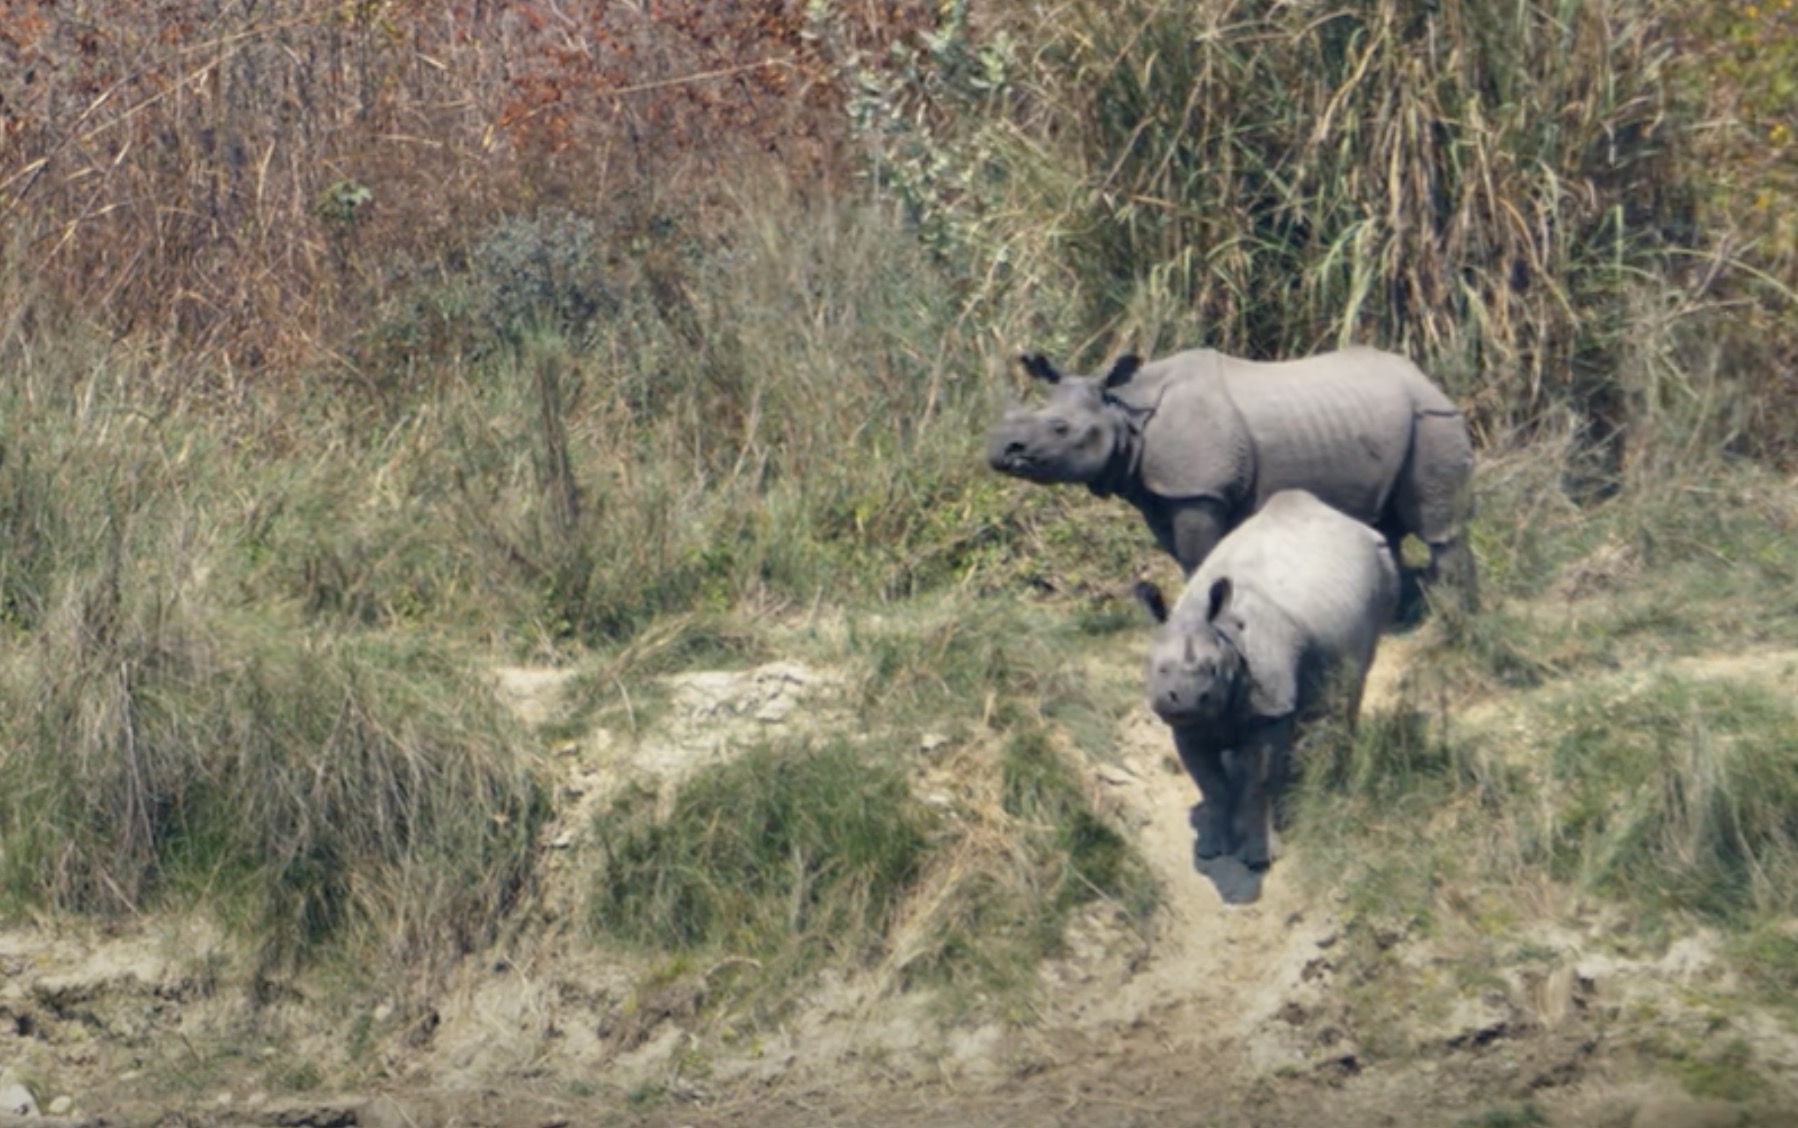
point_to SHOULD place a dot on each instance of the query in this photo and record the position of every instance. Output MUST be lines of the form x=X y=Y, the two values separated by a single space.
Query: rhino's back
x=1339 y=424
x=1327 y=574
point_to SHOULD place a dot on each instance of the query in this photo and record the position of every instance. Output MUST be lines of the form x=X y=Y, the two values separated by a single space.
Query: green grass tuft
x=1083 y=856
x=789 y=855
x=1505 y=1116
x=1680 y=794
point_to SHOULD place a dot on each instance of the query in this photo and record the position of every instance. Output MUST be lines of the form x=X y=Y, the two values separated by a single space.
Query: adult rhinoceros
x=1198 y=441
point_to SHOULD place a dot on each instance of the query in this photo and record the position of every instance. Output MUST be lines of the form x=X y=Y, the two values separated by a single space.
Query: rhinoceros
x=1276 y=629
x=1197 y=441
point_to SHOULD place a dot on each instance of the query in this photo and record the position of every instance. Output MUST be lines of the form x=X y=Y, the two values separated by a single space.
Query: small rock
x=563 y=840
x=1473 y=1023
x=1690 y=956
x=17 y=1100
x=1117 y=775
x=776 y=710
x=931 y=741
x=1591 y=972
x=383 y=1012
x=1557 y=996
x=62 y=1105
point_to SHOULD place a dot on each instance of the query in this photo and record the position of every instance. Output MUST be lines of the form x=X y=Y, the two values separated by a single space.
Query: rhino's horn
x=1040 y=367
x=1122 y=369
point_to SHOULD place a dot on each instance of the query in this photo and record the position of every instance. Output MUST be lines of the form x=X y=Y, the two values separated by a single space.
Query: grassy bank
x=301 y=430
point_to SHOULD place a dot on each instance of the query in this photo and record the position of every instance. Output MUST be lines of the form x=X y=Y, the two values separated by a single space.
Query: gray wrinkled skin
x=1198 y=441
x=1276 y=628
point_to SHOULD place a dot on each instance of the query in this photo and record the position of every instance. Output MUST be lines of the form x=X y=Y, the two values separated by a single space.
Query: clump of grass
x=163 y=745
x=1084 y=857
x=1034 y=851
x=792 y=415
x=1672 y=796
x=1525 y=1115
x=788 y=856
x=1680 y=796
x=626 y=684
x=1726 y=1072
x=311 y=789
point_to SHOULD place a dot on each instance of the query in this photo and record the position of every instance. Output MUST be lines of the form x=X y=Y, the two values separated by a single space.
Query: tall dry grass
x=169 y=739
x=1522 y=197
x=240 y=182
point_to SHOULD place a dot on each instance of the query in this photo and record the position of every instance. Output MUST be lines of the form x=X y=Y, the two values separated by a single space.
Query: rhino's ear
x=1150 y=597
x=1039 y=366
x=1122 y=369
x=1219 y=600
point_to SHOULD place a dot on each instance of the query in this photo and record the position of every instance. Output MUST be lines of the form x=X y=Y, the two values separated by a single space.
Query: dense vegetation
x=347 y=347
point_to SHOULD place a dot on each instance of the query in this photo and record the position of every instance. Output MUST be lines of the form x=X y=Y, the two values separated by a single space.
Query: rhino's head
x=1195 y=671
x=1073 y=436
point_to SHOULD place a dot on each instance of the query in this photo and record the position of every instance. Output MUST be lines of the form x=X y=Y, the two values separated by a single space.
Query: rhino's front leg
x=1189 y=529
x=1265 y=746
x=1452 y=570
x=1214 y=818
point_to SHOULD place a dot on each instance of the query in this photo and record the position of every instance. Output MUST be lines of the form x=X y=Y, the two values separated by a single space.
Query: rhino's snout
x=1179 y=694
x=1005 y=453
x=1008 y=450
x=1174 y=704
x=1166 y=704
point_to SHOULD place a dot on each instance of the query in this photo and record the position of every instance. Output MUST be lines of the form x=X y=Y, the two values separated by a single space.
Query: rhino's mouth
x=1185 y=707
x=1016 y=459
x=1182 y=714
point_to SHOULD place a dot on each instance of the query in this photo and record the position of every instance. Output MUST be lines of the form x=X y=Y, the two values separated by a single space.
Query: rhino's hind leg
x=1433 y=500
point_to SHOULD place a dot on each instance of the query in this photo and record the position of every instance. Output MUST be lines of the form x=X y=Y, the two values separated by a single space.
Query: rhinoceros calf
x=1276 y=628
x=1197 y=441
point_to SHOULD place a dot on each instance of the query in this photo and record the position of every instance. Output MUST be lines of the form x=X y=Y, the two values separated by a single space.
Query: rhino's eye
x=1058 y=426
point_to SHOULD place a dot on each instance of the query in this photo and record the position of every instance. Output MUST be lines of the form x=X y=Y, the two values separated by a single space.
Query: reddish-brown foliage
x=193 y=168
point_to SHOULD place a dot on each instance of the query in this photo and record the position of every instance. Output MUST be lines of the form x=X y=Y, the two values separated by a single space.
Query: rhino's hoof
x=1212 y=839
x=1203 y=851
x=1256 y=856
